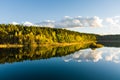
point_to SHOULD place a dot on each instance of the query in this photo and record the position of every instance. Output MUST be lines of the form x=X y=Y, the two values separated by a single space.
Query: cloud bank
x=79 y=21
x=113 y=21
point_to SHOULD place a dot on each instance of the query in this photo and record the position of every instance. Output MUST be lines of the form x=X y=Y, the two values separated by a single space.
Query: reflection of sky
x=86 y=55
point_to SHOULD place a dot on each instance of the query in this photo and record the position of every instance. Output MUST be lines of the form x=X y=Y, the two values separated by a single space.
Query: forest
x=109 y=40
x=29 y=35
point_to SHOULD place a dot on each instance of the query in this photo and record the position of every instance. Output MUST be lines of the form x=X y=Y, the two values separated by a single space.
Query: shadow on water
x=10 y=55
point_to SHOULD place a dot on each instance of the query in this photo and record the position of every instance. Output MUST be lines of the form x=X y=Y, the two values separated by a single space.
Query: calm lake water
x=61 y=63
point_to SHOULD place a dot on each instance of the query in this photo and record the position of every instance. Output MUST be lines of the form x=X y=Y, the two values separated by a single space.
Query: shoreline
x=11 y=45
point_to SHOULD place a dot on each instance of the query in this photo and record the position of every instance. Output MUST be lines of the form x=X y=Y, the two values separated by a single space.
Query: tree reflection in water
x=10 y=55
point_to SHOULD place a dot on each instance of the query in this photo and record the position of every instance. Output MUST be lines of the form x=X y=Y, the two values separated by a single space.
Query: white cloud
x=47 y=23
x=113 y=21
x=79 y=21
x=28 y=23
x=96 y=22
x=71 y=22
x=110 y=20
x=67 y=17
x=14 y=23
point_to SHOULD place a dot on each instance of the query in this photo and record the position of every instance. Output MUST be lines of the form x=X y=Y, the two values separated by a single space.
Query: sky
x=92 y=16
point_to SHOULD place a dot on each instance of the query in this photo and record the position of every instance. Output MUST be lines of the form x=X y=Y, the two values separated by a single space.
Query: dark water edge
x=110 y=43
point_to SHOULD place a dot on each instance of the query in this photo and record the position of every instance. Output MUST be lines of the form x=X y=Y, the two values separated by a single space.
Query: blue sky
x=36 y=11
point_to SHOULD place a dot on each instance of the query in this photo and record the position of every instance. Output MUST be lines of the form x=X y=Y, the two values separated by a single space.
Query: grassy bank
x=10 y=45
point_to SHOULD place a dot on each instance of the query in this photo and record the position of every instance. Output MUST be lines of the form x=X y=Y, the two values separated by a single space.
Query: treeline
x=19 y=34
x=109 y=40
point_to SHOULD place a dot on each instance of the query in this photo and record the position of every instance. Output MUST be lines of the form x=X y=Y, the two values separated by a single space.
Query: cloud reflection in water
x=87 y=55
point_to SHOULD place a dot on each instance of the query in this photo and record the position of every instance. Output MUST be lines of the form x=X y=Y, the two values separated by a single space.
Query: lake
x=60 y=63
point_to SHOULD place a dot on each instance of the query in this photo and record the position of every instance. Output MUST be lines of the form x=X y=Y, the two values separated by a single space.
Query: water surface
x=60 y=63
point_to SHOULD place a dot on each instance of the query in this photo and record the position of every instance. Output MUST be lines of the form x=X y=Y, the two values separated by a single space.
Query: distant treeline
x=19 y=34
x=109 y=40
